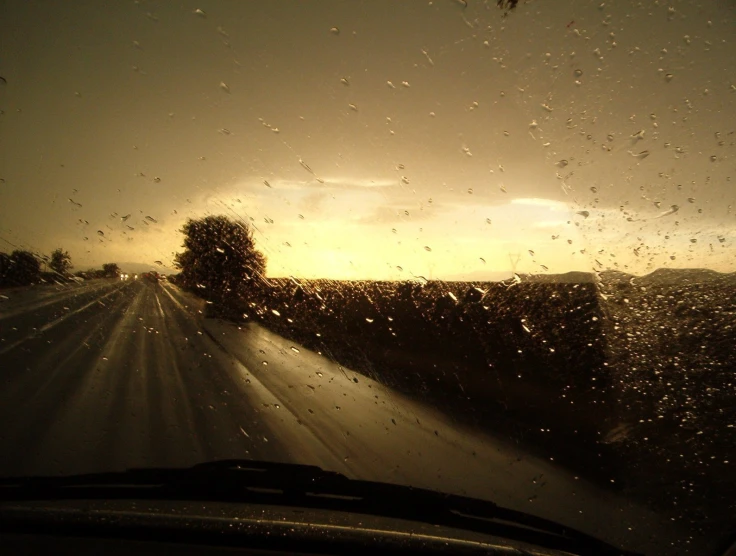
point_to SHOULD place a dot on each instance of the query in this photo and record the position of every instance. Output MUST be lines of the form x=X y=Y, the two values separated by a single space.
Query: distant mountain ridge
x=140 y=268
x=667 y=276
x=479 y=276
x=679 y=275
x=661 y=276
x=572 y=277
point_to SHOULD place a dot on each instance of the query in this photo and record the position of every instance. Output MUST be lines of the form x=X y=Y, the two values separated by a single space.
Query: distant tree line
x=19 y=268
x=24 y=268
x=108 y=270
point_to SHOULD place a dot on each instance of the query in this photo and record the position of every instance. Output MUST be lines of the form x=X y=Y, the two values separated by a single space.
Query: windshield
x=480 y=247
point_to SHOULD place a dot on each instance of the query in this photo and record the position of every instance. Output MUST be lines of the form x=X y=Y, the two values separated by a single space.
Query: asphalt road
x=109 y=375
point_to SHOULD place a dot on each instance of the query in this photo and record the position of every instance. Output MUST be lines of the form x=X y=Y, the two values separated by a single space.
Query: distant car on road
x=152 y=276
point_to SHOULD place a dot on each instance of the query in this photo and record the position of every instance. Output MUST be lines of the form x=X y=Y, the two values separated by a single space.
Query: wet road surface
x=109 y=375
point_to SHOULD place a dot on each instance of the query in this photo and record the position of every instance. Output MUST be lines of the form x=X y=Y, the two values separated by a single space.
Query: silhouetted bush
x=20 y=268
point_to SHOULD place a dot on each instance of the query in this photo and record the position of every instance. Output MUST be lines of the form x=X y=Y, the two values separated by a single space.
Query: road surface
x=115 y=374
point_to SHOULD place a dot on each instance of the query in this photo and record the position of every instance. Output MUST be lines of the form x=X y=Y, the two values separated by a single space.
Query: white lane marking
x=53 y=323
x=176 y=301
x=49 y=325
x=160 y=309
x=49 y=299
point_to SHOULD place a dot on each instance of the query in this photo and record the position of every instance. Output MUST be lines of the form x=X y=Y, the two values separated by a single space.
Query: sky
x=375 y=139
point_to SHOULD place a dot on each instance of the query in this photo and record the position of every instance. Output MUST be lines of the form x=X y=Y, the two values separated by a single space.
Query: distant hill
x=664 y=276
x=574 y=277
x=661 y=276
x=140 y=268
x=616 y=277
x=673 y=276
x=478 y=276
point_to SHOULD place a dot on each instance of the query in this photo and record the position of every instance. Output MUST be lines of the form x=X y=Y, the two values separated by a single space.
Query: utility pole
x=514 y=260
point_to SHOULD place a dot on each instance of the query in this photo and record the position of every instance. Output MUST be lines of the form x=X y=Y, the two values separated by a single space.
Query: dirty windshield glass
x=480 y=247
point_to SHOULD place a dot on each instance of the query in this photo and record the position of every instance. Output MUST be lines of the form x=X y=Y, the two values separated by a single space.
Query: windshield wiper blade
x=306 y=486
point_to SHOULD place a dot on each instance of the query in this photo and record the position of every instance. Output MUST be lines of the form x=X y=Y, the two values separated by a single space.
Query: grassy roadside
x=524 y=362
x=634 y=391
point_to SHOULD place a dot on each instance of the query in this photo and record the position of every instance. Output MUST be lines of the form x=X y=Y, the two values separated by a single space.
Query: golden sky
x=374 y=139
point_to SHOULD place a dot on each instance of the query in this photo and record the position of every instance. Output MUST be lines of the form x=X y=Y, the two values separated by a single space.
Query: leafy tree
x=60 y=261
x=110 y=270
x=220 y=259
